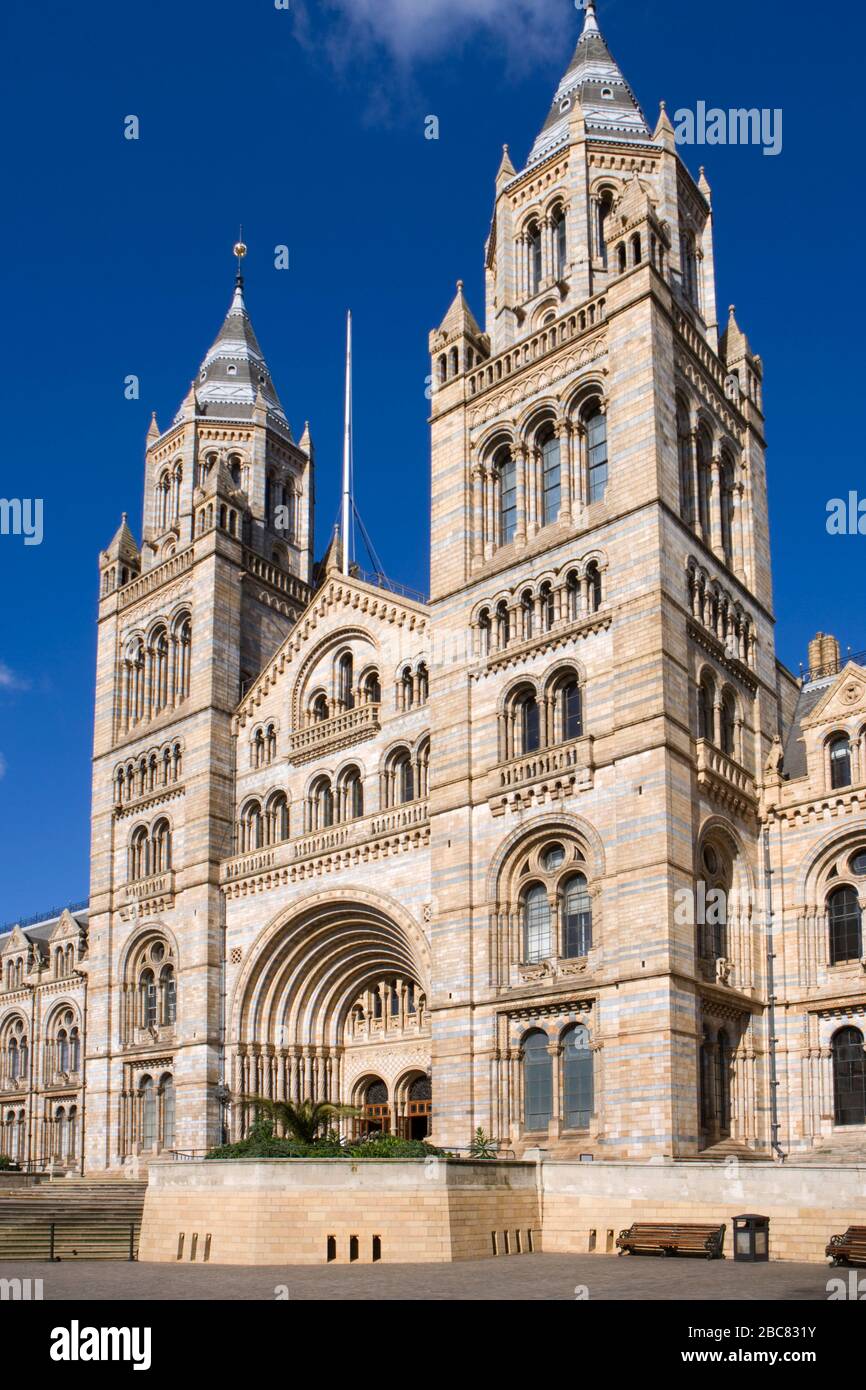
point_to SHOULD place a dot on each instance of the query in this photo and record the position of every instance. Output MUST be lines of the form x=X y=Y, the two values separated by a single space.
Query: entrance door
x=375 y=1112
x=419 y=1108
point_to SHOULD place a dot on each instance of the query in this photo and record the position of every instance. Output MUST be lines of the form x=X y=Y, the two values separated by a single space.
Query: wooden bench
x=849 y=1248
x=652 y=1237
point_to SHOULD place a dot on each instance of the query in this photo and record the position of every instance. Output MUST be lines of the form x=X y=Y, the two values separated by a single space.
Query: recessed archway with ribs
x=304 y=974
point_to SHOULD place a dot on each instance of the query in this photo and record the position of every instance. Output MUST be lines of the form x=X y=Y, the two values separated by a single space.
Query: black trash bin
x=751 y=1238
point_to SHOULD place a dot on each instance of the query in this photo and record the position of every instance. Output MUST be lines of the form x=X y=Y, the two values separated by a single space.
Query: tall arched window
x=707 y=709
x=596 y=444
x=729 y=724
x=166 y=1094
x=723 y=1083
x=530 y=725
x=577 y=1085
x=278 y=818
x=506 y=467
x=534 y=252
x=161 y=847
x=159 y=670
x=551 y=479
x=840 y=762
x=845 y=921
x=560 y=243
x=406 y=779
x=147 y=1102
x=576 y=919
x=183 y=658
x=251 y=835
x=537 y=1082
x=684 y=449
x=149 y=999
x=593 y=580
x=138 y=854
x=321 y=804
x=726 y=483
x=527 y=611
x=536 y=924
x=352 y=794
x=849 y=1077
x=346 y=681
x=168 y=995
x=570 y=709
x=605 y=203
x=503 y=625
x=704 y=452
x=372 y=688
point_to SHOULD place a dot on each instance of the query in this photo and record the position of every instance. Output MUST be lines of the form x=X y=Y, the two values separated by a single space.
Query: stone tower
x=186 y=621
x=604 y=692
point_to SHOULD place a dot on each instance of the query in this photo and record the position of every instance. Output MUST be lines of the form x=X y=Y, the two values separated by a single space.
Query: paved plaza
x=536 y=1277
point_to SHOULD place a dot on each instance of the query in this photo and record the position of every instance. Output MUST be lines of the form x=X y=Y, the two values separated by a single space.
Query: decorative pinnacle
x=460 y=285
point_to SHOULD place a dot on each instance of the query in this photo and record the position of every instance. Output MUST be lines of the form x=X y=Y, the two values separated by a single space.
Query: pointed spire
x=703 y=184
x=663 y=124
x=460 y=318
x=594 y=81
x=123 y=546
x=305 y=443
x=734 y=345
x=153 y=431
x=506 y=168
x=234 y=369
x=590 y=23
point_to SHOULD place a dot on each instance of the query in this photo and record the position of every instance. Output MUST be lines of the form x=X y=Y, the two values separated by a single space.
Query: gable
x=844 y=700
x=344 y=609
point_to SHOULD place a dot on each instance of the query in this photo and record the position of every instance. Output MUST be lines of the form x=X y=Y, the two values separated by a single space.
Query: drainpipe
x=771 y=1000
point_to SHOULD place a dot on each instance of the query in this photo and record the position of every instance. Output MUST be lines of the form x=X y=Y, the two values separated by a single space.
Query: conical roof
x=234 y=369
x=593 y=81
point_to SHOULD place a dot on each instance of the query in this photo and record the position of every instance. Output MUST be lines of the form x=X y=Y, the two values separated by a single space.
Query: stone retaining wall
x=274 y=1212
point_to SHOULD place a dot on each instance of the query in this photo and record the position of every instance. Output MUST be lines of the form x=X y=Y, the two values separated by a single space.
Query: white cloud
x=416 y=29
x=9 y=680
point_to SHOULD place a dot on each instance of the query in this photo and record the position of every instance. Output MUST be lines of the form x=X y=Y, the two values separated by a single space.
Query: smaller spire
x=590 y=25
x=506 y=167
x=153 y=431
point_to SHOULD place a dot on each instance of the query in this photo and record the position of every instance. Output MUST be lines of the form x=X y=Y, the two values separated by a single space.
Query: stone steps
x=67 y=1220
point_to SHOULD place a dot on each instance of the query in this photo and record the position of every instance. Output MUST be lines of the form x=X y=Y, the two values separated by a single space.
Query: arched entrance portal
x=332 y=1005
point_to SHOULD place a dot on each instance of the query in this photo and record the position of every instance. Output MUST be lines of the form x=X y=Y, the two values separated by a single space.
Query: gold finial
x=240 y=250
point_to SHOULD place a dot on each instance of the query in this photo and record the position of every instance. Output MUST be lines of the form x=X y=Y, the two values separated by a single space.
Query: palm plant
x=301 y=1120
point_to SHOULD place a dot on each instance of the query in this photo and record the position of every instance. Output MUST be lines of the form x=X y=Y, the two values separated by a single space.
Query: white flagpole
x=347 y=449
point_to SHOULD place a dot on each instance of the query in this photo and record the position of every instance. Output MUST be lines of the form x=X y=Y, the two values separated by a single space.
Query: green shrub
x=261 y=1143
x=7 y=1165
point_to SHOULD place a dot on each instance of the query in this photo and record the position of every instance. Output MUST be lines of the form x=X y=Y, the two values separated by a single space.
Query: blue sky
x=307 y=124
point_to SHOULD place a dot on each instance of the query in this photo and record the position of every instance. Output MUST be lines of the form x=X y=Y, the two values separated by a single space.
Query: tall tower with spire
x=187 y=618
x=601 y=596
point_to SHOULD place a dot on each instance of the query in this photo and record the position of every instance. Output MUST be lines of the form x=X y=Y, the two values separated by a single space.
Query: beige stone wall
x=279 y=1212
x=283 y=1213
x=583 y=1204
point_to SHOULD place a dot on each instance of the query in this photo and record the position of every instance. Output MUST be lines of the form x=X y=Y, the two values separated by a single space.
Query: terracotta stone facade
x=518 y=857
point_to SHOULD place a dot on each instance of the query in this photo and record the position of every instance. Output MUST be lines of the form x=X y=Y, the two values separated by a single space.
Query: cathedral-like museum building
x=564 y=852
